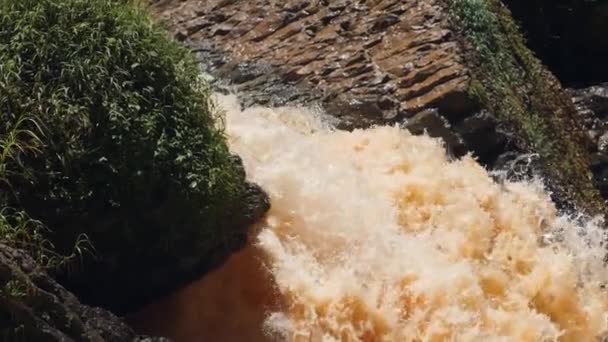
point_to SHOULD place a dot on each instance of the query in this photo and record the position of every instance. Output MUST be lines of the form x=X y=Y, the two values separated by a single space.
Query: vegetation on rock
x=24 y=306
x=124 y=145
x=509 y=80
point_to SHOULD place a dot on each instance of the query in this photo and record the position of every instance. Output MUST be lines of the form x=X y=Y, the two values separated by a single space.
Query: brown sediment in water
x=229 y=304
x=375 y=235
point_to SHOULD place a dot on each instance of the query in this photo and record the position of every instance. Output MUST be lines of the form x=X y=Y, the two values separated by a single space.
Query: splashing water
x=374 y=235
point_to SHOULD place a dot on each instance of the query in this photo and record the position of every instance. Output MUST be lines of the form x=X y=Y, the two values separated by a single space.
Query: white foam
x=374 y=235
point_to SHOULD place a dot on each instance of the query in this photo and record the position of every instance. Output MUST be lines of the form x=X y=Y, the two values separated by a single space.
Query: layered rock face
x=364 y=62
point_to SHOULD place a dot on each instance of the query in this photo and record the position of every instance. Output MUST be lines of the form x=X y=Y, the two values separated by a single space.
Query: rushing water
x=375 y=235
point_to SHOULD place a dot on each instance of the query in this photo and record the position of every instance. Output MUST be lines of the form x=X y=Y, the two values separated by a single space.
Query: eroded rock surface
x=366 y=62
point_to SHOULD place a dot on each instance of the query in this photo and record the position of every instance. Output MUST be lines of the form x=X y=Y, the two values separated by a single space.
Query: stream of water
x=375 y=235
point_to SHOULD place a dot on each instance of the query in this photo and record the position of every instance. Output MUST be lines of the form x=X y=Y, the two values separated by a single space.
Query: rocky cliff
x=365 y=63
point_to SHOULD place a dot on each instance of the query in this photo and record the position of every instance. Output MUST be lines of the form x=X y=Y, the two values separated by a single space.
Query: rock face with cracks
x=365 y=62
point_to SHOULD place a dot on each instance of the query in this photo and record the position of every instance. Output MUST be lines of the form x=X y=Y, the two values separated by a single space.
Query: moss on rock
x=510 y=81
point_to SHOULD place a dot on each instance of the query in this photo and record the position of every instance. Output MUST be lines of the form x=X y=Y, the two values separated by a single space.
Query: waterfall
x=376 y=235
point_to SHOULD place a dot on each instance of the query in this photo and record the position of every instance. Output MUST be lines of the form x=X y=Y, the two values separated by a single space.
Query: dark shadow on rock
x=36 y=308
x=569 y=36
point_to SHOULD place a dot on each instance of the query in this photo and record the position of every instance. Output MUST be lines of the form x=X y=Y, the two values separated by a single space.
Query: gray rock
x=517 y=166
x=599 y=166
x=483 y=136
x=430 y=122
x=602 y=143
x=36 y=308
x=592 y=100
x=592 y=107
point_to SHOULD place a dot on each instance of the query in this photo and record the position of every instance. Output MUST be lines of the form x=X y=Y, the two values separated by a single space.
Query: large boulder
x=129 y=151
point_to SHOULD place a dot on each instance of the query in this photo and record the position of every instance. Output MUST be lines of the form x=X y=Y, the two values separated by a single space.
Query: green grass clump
x=127 y=147
x=17 y=229
x=509 y=80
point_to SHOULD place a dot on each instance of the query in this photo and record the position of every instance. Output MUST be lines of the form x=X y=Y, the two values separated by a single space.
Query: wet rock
x=602 y=143
x=386 y=60
x=456 y=106
x=515 y=166
x=247 y=71
x=120 y=289
x=36 y=308
x=483 y=136
x=592 y=100
x=599 y=166
x=522 y=166
x=257 y=203
x=431 y=123
x=592 y=112
x=592 y=108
